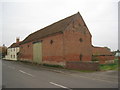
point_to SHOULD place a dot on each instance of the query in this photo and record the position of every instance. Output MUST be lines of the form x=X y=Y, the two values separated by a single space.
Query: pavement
x=24 y=75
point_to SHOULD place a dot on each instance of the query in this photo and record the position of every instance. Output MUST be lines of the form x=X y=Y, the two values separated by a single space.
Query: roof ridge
x=58 y=26
x=56 y=22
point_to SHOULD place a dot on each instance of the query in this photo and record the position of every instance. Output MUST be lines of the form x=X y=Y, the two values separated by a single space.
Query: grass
x=109 y=66
x=114 y=66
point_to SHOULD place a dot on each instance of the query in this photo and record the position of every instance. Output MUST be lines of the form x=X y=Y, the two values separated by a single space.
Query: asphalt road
x=21 y=75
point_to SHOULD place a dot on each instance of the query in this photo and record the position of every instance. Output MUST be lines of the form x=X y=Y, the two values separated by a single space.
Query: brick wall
x=26 y=52
x=82 y=65
x=105 y=59
x=52 y=48
x=77 y=41
x=103 y=54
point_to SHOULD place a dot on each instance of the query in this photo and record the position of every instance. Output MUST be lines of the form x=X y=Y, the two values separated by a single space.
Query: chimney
x=17 y=40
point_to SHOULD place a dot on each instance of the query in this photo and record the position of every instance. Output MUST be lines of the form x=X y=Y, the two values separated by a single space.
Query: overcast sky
x=19 y=19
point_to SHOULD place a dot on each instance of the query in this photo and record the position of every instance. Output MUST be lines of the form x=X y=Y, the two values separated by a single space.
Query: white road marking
x=26 y=73
x=59 y=85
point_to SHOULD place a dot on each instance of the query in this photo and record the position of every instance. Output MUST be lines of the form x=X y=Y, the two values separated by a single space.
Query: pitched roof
x=101 y=51
x=15 y=45
x=57 y=27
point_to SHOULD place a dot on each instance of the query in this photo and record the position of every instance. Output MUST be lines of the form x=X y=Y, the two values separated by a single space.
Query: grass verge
x=109 y=66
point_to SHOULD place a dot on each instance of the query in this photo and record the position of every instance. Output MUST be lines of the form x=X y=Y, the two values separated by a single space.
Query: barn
x=66 y=40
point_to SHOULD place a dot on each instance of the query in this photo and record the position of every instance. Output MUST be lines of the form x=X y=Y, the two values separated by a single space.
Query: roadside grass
x=105 y=67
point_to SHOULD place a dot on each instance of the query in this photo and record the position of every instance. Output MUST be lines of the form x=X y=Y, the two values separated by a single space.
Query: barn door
x=37 y=52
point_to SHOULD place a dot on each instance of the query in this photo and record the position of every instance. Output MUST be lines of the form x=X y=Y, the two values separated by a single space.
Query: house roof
x=101 y=51
x=57 y=27
x=15 y=45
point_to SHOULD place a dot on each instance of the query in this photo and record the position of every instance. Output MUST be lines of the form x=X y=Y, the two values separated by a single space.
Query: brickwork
x=77 y=41
x=26 y=51
x=82 y=66
x=103 y=55
x=52 y=48
x=105 y=59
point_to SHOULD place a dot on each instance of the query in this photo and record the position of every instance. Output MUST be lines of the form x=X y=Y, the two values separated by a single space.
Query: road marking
x=26 y=73
x=59 y=85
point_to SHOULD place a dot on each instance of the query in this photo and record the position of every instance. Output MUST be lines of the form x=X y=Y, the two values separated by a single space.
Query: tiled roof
x=57 y=27
x=15 y=45
x=101 y=51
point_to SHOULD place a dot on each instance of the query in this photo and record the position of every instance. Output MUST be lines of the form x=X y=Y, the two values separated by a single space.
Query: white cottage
x=13 y=50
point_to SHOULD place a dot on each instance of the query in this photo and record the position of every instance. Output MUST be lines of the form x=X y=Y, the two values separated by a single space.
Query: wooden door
x=37 y=52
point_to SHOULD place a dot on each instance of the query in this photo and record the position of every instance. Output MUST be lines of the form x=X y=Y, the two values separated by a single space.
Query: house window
x=14 y=56
x=81 y=57
x=51 y=42
x=81 y=40
x=11 y=56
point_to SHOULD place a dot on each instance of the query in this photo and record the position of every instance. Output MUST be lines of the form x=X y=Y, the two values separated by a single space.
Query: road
x=21 y=75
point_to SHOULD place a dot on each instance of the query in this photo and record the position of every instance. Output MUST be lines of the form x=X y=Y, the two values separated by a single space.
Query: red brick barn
x=103 y=54
x=66 y=40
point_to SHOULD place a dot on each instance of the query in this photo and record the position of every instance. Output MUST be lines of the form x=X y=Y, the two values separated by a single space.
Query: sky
x=19 y=18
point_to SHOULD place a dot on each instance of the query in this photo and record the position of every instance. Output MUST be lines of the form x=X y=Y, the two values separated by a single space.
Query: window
x=11 y=56
x=51 y=42
x=28 y=46
x=81 y=57
x=14 y=56
x=81 y=40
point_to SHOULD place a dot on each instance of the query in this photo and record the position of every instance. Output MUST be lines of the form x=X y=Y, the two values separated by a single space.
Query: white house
x=13 y=50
